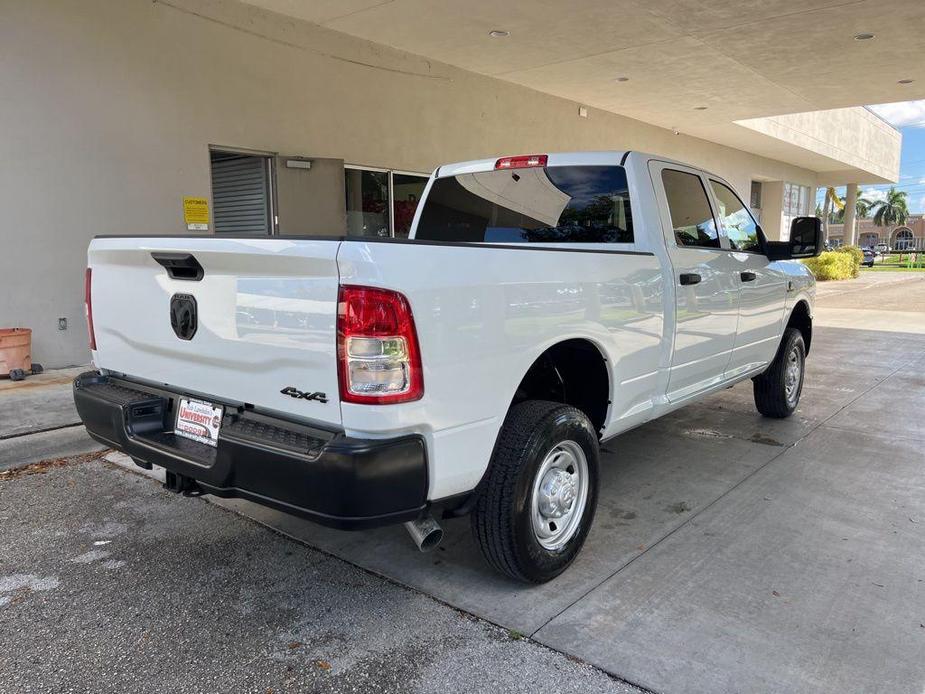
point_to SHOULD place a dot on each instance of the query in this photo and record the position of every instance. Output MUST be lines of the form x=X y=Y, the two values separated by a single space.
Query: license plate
x=199 y=421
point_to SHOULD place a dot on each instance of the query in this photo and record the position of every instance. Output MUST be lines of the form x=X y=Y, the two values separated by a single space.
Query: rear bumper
x=321 y=475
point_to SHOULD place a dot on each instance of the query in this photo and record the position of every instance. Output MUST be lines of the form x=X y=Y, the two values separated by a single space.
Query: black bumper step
x=319 y=474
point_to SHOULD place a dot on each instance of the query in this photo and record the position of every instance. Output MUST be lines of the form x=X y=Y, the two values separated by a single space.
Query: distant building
x=908 y=236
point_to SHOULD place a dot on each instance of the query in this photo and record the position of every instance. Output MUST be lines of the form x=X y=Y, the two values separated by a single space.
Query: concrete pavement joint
x=32 y=432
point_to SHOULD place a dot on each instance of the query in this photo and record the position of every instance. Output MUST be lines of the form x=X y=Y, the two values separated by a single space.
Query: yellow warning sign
x=196 y=214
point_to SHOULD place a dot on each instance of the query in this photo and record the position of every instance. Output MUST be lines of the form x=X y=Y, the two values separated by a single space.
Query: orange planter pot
x=15 y=350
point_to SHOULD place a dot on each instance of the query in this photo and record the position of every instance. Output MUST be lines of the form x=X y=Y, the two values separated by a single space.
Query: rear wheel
x=538 y=498
x=777 y=391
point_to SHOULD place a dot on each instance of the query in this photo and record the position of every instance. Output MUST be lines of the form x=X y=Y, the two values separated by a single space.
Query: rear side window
x=559 y=204
x=691 y=217
x=736 y=220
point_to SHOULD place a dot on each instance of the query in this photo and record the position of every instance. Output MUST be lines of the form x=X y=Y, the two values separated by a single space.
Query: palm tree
x=862 y=208
x=831 y=202
x=891 y=211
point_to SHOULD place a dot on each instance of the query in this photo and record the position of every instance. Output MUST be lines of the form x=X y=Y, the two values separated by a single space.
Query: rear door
x=258 y=318
x=705 y=280
x=762 y=288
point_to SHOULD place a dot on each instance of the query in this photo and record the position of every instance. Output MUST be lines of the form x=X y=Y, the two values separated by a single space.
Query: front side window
x=691 y=217
x=556 y=204
x=737 y=222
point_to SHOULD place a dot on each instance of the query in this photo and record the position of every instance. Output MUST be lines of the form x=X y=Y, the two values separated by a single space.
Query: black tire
x=771 y=387
x=37 y=369
x=17 y=375
x=502 y=519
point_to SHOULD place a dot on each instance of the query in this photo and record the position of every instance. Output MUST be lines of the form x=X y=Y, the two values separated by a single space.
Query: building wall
x=867 y=229
x=109 y=107
x=311 y=201
x=847 y=136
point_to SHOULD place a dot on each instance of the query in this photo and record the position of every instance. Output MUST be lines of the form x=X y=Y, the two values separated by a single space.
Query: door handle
x=748 y=276
x=689 y=278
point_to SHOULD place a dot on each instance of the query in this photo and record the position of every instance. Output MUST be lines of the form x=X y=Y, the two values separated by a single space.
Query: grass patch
x=893 y=268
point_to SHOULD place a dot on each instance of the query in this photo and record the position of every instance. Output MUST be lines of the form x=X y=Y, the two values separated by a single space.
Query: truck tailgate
x=266 y=312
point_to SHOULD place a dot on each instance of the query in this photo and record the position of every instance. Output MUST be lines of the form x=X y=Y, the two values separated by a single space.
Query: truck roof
x=553 y=159
x=597 y=158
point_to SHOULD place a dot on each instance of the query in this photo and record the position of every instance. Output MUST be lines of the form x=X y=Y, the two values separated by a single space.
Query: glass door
x=381 y=202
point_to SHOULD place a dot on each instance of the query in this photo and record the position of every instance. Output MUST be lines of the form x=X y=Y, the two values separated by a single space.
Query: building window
x=869 y=239
x=796 y=204
x=756 y=195
x=904 y=240
x=381 y=202
x=407 y=191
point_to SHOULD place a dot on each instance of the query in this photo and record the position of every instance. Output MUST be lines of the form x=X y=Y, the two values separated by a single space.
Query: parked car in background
x=542 y=304
x=882 y=248
x=869 y=257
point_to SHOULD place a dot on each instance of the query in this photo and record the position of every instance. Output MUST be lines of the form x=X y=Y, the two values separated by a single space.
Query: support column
x=772 y=204
x=851 y=200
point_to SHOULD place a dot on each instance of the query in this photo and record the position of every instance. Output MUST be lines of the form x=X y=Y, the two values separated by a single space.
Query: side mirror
x=805 y=241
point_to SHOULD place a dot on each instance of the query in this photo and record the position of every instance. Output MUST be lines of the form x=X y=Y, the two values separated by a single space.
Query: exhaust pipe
x=426 y=533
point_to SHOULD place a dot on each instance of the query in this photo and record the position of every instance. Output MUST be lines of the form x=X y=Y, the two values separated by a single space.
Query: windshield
x=564 y=204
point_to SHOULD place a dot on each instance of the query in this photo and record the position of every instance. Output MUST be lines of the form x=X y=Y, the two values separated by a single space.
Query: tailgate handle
x=180 y=266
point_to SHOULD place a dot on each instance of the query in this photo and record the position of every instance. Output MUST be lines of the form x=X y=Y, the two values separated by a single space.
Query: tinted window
x=737 y=222
x=565 y=204
x=689 y=207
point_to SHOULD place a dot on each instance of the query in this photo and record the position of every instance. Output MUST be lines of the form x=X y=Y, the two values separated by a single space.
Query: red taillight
x=88 y=301
x=379 y=361
x=523 y=162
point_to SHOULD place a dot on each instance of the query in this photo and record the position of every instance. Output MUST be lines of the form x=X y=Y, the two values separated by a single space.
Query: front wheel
x=777 y=390
x=537 y=500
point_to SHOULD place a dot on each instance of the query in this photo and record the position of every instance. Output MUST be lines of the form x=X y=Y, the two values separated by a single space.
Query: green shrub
x=833 y=265
x=857 y=257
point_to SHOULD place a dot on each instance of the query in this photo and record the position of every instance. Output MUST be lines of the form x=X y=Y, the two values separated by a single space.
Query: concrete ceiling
x=739 y=58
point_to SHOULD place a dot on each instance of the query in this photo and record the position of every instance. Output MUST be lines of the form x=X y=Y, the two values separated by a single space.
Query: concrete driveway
x=730 y=552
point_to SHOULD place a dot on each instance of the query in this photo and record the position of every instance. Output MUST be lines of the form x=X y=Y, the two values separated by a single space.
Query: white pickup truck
x=542 y=305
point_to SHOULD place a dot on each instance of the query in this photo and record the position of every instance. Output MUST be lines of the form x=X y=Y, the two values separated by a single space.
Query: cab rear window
x=556 y=204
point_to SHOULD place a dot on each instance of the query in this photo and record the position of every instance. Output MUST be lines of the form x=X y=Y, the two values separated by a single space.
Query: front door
x=762 y=288
x=705 y=281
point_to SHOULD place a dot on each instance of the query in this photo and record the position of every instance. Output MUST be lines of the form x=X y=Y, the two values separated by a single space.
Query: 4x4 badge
x=298 y=394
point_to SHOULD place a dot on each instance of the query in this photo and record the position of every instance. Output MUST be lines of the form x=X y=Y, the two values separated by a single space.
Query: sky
x=909 y=117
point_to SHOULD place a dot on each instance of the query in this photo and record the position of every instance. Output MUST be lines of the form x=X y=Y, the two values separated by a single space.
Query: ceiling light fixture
x=621 y=79
x=905 y=81
x=863 y=37
x=700 y=108
x=499 y=33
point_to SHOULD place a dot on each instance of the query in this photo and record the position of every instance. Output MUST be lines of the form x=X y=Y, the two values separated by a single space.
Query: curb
x=20 y=451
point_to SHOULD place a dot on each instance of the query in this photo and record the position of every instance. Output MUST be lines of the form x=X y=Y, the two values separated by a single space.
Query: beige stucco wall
x=847 y=136
x=109 y=107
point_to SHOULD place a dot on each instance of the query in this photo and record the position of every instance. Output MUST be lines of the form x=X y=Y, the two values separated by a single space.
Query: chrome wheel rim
x=793 y=374
x=560 y=493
